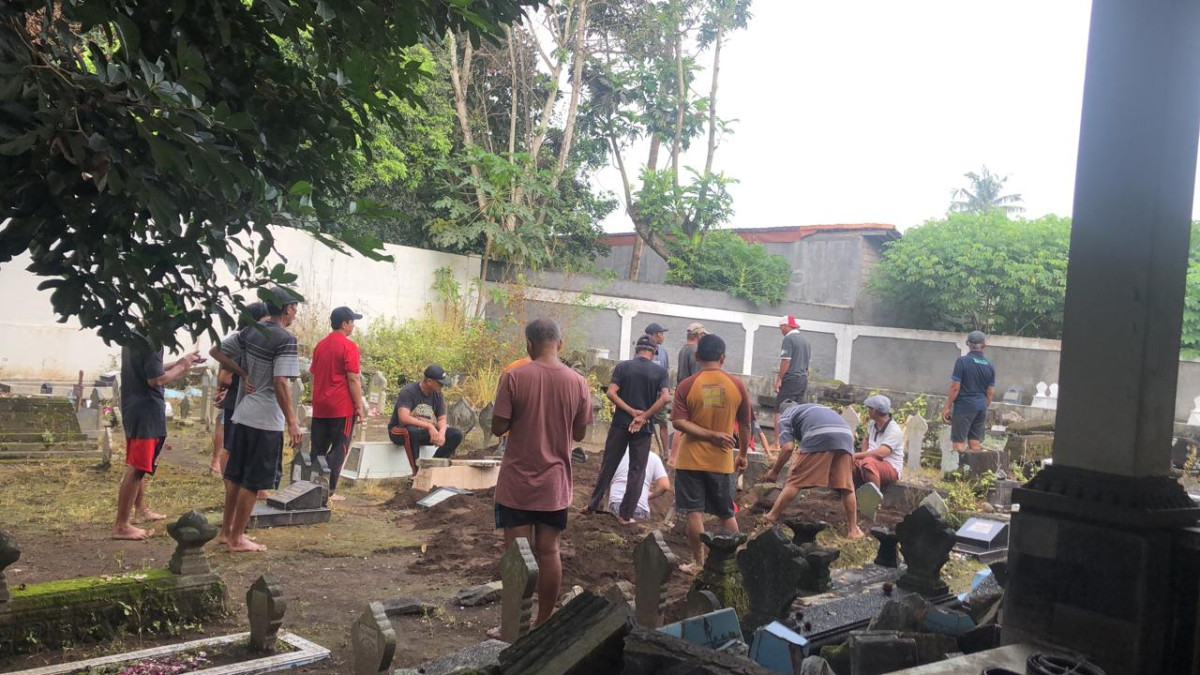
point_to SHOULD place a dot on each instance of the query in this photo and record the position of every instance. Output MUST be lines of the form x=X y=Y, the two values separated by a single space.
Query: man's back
x=266 y=351
x=687 y=365
x=796 y=348
x=333 y=357
x=640 y=382
x=544 y=403
x=143 y=408
x=975 y=374
x=716 y=401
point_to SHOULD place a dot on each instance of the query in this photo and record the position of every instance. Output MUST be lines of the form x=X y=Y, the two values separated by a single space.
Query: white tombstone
x=1042 y=398
x=949 y=454
x=376 y=460
x=851 y=416
x=1194 y=417
x=914 y=437
x=1054 y=396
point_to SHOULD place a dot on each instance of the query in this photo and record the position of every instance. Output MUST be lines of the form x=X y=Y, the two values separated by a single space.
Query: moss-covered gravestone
x=721 y=575
x=266 y=605
x=39 y=426
x=771 y=566
x=925 y=540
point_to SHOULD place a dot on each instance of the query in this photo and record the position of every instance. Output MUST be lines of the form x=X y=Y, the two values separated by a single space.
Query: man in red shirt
x=543 y=406
x=337 y=394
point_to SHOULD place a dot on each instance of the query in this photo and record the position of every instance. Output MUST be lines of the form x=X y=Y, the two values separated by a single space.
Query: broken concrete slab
x=479 y=595
x=462 y=477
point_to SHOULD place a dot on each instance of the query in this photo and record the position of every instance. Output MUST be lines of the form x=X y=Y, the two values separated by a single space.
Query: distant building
x=831 y=264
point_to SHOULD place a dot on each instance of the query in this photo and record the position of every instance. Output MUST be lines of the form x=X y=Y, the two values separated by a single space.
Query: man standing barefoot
x=709 y=407
x=543 y=406
x=264 y=411
x=144 y=416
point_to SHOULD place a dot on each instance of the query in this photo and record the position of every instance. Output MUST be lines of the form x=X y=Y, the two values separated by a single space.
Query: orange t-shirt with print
x=717 y=401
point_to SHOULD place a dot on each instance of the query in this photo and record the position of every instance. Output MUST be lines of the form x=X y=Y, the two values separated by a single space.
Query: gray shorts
x=638 y=514
x=967 y=425
x=704 y=491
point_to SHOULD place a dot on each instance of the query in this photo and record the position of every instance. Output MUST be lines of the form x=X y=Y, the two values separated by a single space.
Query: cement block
x=462 y=477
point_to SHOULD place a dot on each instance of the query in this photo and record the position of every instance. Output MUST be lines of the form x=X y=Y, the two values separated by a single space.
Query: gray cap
x=879 y=403
x=976 y=337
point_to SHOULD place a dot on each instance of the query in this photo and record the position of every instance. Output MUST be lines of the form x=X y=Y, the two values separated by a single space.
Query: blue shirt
x=976 y=375
x=661 y=358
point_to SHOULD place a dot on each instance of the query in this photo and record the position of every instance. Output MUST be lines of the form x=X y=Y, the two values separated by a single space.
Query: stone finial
x=191 y=532
x=721 y=574
x=519 y=574
x=888 y=555
x=816 y=578
x=653 y=564
x=266 y=605
x=925 y=541
x=805 y=531
x=771 y=567
x=9 y=554
x=373 y=640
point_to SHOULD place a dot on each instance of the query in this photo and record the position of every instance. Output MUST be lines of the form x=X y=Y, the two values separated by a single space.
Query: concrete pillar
x=843 y=353
x=1129 y=241
x=627 y=315
x=1102 y=545
x=748 y=352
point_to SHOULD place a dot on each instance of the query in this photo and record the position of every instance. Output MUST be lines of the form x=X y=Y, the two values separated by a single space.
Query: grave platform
x=463 y=474
x=301 y=503
x=371 y=460
x=41 y=427
x=828 y=618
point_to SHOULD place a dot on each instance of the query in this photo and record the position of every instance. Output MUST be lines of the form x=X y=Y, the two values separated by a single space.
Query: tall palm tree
x=984 y=194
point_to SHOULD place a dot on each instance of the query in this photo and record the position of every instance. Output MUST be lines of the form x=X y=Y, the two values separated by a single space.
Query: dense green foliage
x=980 y=272
x=144 y=143
x=724 y=261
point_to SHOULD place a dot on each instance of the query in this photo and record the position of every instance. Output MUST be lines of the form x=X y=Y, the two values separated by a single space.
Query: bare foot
x=131 y=533
x=774 y=520
x=336 y=498
x=262 y=495
x=148 y=517
x=214 y=469
x=244 y=545
x=494 y=633
x=854 y=533
x=689 y=568
x=626 y=522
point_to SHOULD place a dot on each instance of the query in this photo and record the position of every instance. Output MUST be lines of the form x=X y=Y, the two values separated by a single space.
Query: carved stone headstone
x=191 y=532
x=265 y=605
x=869 y=497
x=850 y=414
x=816 y=577
x=519 y=574
x=301 y=495
x=914 y=437
x=925 y=541
x=805 y=531
x=485 y=423
x=888 y=555
x=461 y=416
x=653 y=563
x=9 y=554
x=771 y=566
x=377 y=392
x=721 y=574
x=373 y=640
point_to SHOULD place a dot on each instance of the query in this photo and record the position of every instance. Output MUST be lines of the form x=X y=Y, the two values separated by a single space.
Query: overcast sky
x=871 y=110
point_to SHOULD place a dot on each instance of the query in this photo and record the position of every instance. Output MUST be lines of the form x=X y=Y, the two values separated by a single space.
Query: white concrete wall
x=33 y=345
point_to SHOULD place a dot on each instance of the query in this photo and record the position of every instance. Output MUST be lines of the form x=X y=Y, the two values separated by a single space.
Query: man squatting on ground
x=543 y=406
x=226 y=397
x=337 y=395
x=264 y=356
x=971 y=387
x=826 y=459
x=709 y=408
x=144 y=416
x=881 y=459
x=639 y=389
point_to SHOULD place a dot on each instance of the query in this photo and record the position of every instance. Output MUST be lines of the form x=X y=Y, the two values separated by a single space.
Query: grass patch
x=854 y=552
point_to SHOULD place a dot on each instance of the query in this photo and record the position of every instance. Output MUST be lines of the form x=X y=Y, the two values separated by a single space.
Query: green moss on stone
x=87 y=586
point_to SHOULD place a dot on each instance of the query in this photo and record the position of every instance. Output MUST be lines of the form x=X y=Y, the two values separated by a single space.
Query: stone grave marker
x=191 y=532
x=756 y=466
x=301 y=503
x=771 y=567
x=9 y=554
x=377 y=392
x=949 y=454
x=937 y=503
x=461 y=416
x=699 y=603
x=373 y=640
x=185 y=408
x=1046 y=396
x=301 y=495
x=914 y=438
x=1194 y=416
x=265 y=605
x=982 y=536
x=720 y=573
x=817 y=577
x=1012 y=395
x=805 y=531
x=869 y=498
x=850 y=414
x=621 y=593
x=483 y=594
x=653 y=564
x=925 y=541
x=519 y=573
x=888 y=555
x=485 y=423
x=1001 y=496
x=207 y=385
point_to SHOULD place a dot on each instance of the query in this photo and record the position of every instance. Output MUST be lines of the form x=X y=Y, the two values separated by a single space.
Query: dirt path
x=377 y=547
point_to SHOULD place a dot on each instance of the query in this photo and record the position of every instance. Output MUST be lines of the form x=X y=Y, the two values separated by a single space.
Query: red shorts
x=142 y=453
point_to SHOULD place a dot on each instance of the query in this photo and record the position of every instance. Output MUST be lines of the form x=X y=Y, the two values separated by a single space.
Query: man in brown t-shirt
x=543 y=406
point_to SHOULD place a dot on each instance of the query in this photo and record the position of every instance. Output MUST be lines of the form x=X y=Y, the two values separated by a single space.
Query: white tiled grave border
x=306 y=653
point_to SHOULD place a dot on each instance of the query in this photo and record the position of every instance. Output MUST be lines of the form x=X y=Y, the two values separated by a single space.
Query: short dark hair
x=710 y=348
x=542 y=330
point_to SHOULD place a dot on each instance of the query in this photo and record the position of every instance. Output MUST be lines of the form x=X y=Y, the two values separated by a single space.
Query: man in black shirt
x=421 y=410
x=144 y=417
x=639 y=389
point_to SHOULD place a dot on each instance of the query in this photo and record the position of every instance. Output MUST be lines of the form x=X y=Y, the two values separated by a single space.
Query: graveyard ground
x=379 y=546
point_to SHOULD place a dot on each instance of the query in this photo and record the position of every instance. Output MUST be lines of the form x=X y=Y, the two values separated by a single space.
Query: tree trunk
x=680 y=103
x=652 y=161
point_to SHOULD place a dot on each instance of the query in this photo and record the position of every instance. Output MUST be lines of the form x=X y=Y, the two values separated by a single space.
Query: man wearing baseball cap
x=421 y=409
x=791 y=383
x=337 y=402
x=971 y=387
x=881 y=458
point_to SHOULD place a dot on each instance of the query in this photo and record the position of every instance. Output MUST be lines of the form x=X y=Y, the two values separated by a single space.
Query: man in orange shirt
x=709 y=406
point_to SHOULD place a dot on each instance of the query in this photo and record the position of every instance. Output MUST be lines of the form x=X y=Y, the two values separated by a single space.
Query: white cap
x=789 y=321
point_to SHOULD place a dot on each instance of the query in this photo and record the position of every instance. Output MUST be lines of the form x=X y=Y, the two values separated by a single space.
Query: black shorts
x=256 y=458
x=967 y=425
x=704 y=491
x=227 y=441
x=793 y=388
x=508 y=517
